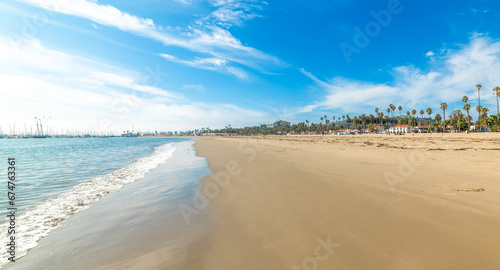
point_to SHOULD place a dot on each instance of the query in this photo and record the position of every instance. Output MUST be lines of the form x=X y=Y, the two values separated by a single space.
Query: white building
x=400 y=129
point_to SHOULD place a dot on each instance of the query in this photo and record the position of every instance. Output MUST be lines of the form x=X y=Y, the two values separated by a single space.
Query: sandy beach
x=296 y=202
x=429 y=201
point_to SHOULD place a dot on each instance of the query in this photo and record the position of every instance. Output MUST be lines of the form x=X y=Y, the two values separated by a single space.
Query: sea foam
x=40 y=219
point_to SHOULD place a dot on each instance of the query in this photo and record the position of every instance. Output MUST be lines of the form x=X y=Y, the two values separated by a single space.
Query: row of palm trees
x=456 y=119
x=457 y=115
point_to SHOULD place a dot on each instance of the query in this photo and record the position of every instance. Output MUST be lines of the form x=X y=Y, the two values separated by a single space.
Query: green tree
x=479 y=109
x=437 y=118
x=413 y=112
x=444 y=106
x=478 y=101
x=465 y=99
x=484 y=112
x=393 y=108
x=422 y=113
x=467 y=109
x=496 y=92
x=429 y=112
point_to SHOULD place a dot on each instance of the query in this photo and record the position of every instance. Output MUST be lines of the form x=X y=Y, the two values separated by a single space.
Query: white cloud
x=429 y=54
x=73 y=92
x=31 y=58
x=216 y=64
x=478 y=11
x=206 y=38
x=229 y=13
x=451 y=75
x=198 y=87
x=126 y=82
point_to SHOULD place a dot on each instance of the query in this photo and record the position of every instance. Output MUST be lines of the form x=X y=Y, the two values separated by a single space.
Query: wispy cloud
x=198 y=87
x=451 y=75
x=71 y=90
x=207 y=36
x=216 y=64
x=32 y=59
x=126 y=82
x=479 y=11
x=229 y=13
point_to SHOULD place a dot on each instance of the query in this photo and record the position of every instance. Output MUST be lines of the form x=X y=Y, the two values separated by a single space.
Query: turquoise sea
x=56 y=178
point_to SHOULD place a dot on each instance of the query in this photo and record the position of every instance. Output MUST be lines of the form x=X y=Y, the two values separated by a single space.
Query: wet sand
x=136 y=227
x=352 y=202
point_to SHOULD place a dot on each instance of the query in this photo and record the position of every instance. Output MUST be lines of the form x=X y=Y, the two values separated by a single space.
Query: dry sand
x=352 y=202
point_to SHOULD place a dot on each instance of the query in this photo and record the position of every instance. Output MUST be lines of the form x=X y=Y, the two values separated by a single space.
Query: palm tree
x=438 y=119
x=479 y=100
x=479 y=109
x=389 y=111
x=413 y=112
x=307 y=122
x=362 y=119
x=484 y=112
x=429 y=112
x=496 y=92
x=386 y=118
x=343 y=119
x=400 y=108
x=465 y=99
x=457 y=114
x=393 y=108
x=467 y=108
x=444 y=106
x=422 y=113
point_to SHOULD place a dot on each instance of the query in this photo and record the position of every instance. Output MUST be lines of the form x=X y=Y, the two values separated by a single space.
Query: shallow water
x=68 y=175
x=48 y=167
x=140 y=219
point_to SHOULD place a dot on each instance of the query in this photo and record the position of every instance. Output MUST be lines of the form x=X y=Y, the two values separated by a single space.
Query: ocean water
x=56 y=178
x=141 y=220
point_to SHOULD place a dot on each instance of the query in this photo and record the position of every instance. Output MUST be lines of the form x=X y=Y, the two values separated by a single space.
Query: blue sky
x=185 y=64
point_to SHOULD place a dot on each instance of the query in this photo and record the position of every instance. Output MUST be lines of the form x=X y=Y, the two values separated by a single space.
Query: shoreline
x=296 y=202
x=354 y=193
x=136 y=227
